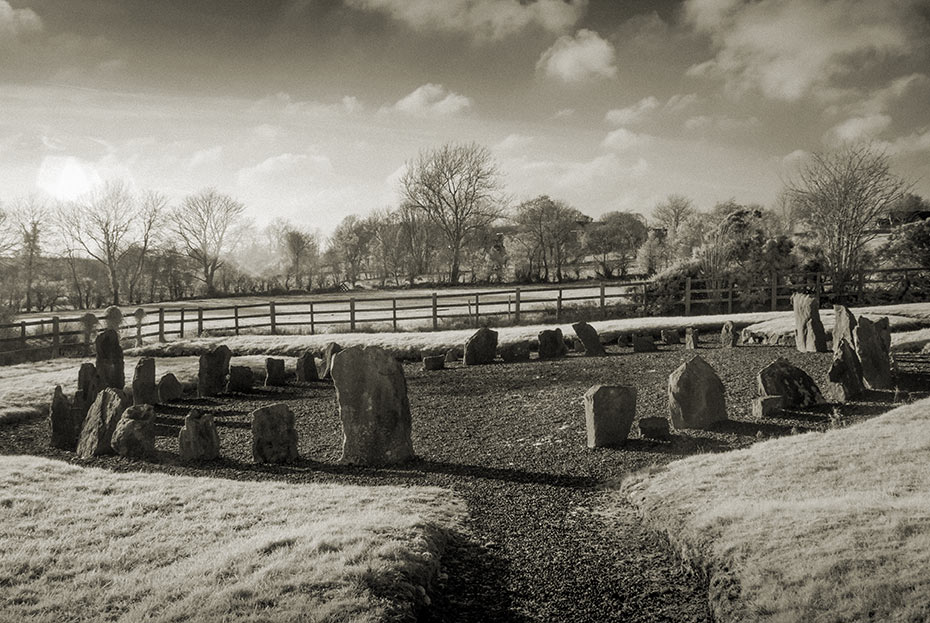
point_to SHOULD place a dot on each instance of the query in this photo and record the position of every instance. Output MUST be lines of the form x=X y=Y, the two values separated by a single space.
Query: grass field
x=85 y=544
x=830 y=526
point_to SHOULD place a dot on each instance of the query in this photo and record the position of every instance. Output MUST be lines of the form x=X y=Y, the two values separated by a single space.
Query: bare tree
x=30 y=215
x=302 y=249
x=672 y=212
x=457 y=186
x=614 y=240
x=351 y=244
x=204 y=223
x=151 y=210
x=840 y=195
x=417 y=240
x=554 y=228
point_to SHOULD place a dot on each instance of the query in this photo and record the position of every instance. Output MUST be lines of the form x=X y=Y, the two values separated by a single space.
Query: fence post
x=603 y=302
x=312 y=327
x=687 y=296
x=199 y=321
x=56 y=337
x=435 y=313
x=236 y=318
x=394 y=313
x=774 y=291
x=558 y=307
x=516 y=305
x=22 y=333
x=181 y=332
x=476 y=310
x=161 y=324
x=352 y=314
x=274 y=326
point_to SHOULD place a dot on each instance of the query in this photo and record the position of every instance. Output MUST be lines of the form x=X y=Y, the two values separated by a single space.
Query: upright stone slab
x=845 y=374
x=198 y=439
x=643 y=344
x=883 y=326
x=169 y=388
x=654 y=428
x=274 y=372
x=729 y=336
x=809 y=334
x=797 y=389
x=515 y=351
x=306 y=368
x=274 y=437
x=372 y=394
x=241 y=379
x=873 y=355
x=670 y=337
x=434 y=362
x=100 y=423
x=481 y=347
x=456 y=353
x=62 y=425
x=844 y=322
x=691 y=338
x=113 y=318
x=109 y=363
x=589 y=339
x=214 y=366
x=609 y=411
x=134 y=437
x=88 y=388
x=551 y=344
x=329 y=351
x=767 y=406
x=144 y=390
x=696 y=398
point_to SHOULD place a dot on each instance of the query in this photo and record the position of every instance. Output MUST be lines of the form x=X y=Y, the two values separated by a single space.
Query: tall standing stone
x=214 y=366
x=551 y=344
x=589 y=339
x=88 y=388
x=329 y=351
x=844 y=322
x=274 y=372
x=794 y=385
x=729 y=336
x=169 y=388
x=809 y=334
x=306 y=368
x=63 y=427
x=691 y=338
x=241 y=379
x=144 y=390
x=696 y=398
x=109 y=360
x=100 y=423
x=198 y=439
x=845 y=373
x=609 y=412
x=134 y=436
x=274 y=437
x=481 y=347
x=372 y=394
x=873 y=354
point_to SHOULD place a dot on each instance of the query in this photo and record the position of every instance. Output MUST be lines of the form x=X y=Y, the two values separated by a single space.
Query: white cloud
x=584 y=56
x=431 y=100
x=481 y=19
x=679 y=102
x=564 y=113
x=632 y=114
x=204 y=156
x=916 y=142
x=283 y=102
x=622 y=139
x=285 y=169
x=880 y=100
x=788 y=49
x=513 y=143
x=858 y=128
x=726 y=124
x=15 y=23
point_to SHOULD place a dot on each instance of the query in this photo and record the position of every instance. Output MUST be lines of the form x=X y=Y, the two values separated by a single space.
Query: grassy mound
x=828 y=526
x=85 y=544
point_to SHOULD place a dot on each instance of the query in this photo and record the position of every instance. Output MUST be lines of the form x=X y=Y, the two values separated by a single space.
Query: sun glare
x=66 y=178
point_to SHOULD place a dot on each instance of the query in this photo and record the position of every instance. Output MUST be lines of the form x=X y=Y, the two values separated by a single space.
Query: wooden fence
x=58 y=335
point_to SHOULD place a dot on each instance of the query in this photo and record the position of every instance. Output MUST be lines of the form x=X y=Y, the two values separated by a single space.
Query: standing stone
x=214 y=366
x=134 y=437
x=578 y=347
x=844 y=322
x=696 y=397
x=883 y=326
x=643 y=344
x=113 y=318
x=274 y=372
x=306 y=368
x=729 y=336
x=691 y=338
x=329 y=351
x=794 y=385
x=144 y=390
x=766 y=406
x=139 y=315
x=169 y=388
x=100 y=423
x=274 y=437
x=198 y=439
x=88 y=388
x=456 y=353
x=845 y=374
x=481 y=347
x=64 y=428
x=551 y=344
x=109 y=361
x=434 y=362
x=241 y=379
x=590 y=339
x=654 y=428
x=515 y=351
x=809 y=334
x=372 y=394
x=670 y=337
x=609 y=411
x=870 y=347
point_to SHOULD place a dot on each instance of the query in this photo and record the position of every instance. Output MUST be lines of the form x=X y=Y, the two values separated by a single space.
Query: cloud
x=582 y=57
x=17 y=23
x=879 y=100
x=481 y=19
x=431 y=100
x=726 y=124
x=857 y=129
x=286 y=169
x=679 y=102
x=283 y=102
x=622 y=139
x=204 y=156
x=788 y=49
x=564 y=113
x=513 y=143
x=914 y=143
x=632 y=114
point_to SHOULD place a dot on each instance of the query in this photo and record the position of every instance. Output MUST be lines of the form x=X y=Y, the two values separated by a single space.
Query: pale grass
x=830 y=526
x=85 y=544
x=910 y=341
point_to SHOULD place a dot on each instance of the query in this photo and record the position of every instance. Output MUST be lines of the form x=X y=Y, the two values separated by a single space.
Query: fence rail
x=50 y=337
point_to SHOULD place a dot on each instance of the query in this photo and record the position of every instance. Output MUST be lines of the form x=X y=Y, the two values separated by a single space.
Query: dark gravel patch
x=510 y=440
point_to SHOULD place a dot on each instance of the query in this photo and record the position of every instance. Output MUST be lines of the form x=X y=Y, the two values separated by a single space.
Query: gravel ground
x=510 y=440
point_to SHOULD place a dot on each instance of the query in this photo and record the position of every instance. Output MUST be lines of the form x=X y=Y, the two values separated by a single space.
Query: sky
x=308 y=110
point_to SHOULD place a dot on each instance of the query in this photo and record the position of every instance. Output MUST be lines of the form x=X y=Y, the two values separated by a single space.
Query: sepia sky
x=308 y=109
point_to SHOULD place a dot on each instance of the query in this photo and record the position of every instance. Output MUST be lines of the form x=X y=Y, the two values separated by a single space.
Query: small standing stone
x=691 y=338
x=214 y=366
x=241 y=379
x=306 y=368
x=845 y=373
x=64 y=429
x=696 y=398
x=794 y=385
x=515 y=351
x=643 y=344
x=873 y=354
x=134 y=437
x=481 y=347
x=551 y=344
x=113 y=318
x=454 y=354
x=100 y=423
x=654 y=428
x=329 y=351
x=144 y=390
x=274 y=372
x=609 y=411
x=169 y=388
x=844 y=323
x=88 y=388
x=109 y=361
x=274 y=437
x=729 y=336
x=578 y=347
x=767 y=406
x=589 y=339
x=670 y=337
x=434 y=362
x=372 y=394
x=809 y=334
x=198 y=439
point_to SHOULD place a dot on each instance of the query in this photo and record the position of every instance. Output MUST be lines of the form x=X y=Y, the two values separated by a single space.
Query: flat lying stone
x=434 y=362
x=654 y=428
x=515 y=351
